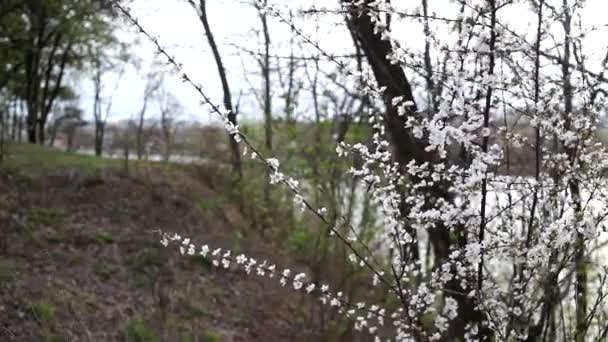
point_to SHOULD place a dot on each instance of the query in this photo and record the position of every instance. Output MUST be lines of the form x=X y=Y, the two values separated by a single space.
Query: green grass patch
x=205 y=204
x=189 y=308
x=208 y=336
x=204 y=335
x=138 y=331
x=104 y=272
x=43 y=311
x=7 y=271
x=37 y=160
x=104 y=237
x=46 y=216
x=149 y=257
x=300 y=240
x=48 y=336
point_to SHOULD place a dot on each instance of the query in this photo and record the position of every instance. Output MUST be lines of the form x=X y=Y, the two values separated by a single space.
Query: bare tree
x=72 y=120
x=153 y=83
x=237 y=168
x=102 y=63
x=169 y=108
x=264 y=63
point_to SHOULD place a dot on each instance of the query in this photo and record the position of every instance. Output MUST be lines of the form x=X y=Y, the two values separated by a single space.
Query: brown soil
x=79 y=261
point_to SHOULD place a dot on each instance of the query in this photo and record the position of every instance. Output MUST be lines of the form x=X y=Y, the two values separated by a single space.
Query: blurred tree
x=102 y=61
x=70 y=124
x=169 y=108
x=40 y=41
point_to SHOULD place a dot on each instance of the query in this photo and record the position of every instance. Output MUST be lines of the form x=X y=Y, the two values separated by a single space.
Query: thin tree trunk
x=237 y=169
x=267 y=116
x=53 y=133
x=20 y=124
x=99 y=135
x=266 y=75
x=428 y=66
x=3 y=124
x=152 y=86
x=534 y=331
x=484 y=148
x=97 y=110
x=139 y=141
x=14 y=126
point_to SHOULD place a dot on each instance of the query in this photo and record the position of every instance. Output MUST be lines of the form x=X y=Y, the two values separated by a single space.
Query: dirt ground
x=79 y=261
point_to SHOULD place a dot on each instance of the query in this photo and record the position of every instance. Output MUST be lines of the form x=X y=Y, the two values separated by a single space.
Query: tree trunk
x=70 y=142
x=99 y=134
x=15 y=120
x=97 y=115
x=407 y=148
x=31 y=132
x=20 y=128
x=237 y=169
x=3 y=125
x=573 y=184
x=53 y=133
x=40 y=132
x=265 y=63
x=139 y=136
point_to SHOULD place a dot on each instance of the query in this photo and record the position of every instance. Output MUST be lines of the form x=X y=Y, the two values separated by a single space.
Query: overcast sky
x=179 y=29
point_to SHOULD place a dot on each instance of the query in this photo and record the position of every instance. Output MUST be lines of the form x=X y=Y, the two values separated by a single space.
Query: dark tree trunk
x=99 y=134
x=265 y=66
x=14 y=124
x=20 y=128
x=3 y=124
x=40 y=132
x=31 y=132
x=237 y=169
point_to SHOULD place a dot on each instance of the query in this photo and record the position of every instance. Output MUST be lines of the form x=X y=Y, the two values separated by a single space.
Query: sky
x=233 y=22
x=179 y=30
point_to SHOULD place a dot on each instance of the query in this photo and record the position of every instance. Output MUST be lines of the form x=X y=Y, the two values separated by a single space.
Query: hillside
x=79 y=259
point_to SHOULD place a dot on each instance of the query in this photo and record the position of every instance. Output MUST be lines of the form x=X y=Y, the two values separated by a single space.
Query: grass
x=202 y=336
x=35 y=160
x=149 y=257
x=43 y=311
x=46 y=216
x=47 y=336
x=45 y=314
x=205 y=204
x=208 y=336
x=104 y=272
x=138 y=331
x=44 y=169
x=104 y=237
x=6 y=271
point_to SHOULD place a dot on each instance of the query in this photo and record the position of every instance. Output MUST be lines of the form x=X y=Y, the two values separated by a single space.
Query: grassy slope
x=78 y=260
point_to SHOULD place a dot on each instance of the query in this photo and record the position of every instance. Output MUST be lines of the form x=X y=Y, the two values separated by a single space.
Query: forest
x=272 y=170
